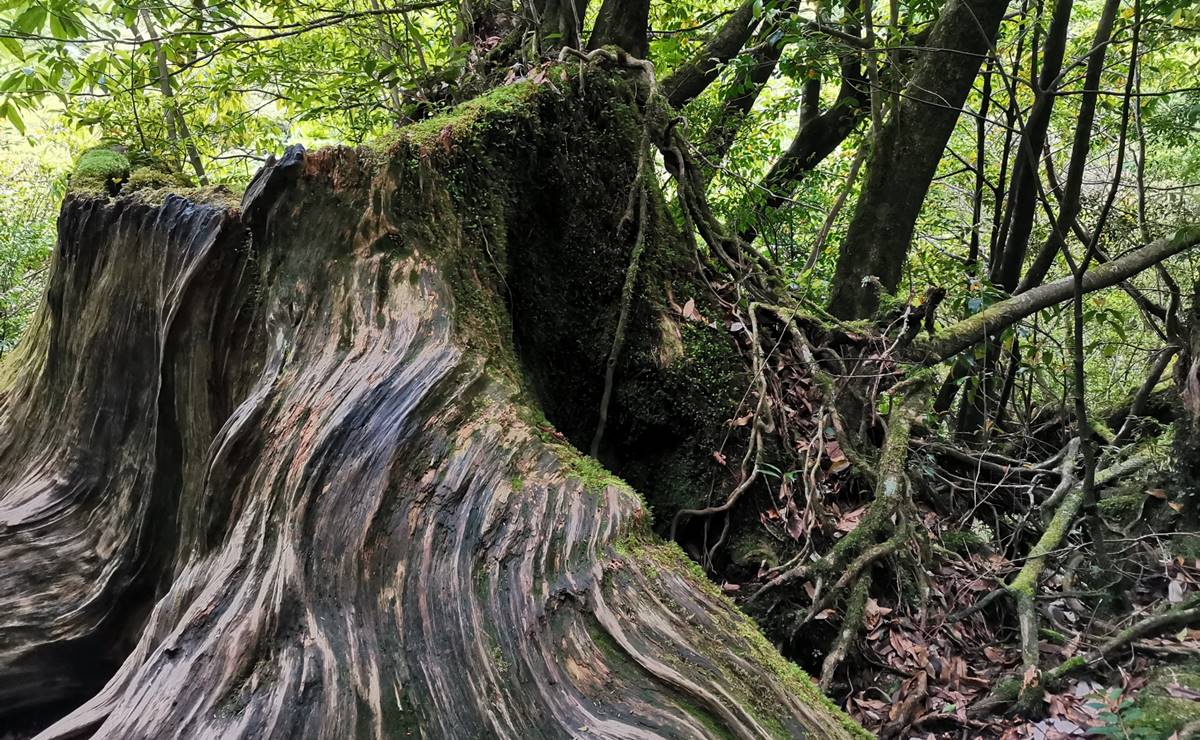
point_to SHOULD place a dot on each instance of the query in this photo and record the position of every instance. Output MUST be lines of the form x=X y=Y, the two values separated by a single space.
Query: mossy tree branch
x=999 y=316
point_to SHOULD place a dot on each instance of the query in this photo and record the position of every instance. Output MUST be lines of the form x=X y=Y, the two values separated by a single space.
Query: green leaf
x=13 y=116
x=56 y=28
x=64 y=26
x=31 y=21
x=12 y=46
x=14 y=81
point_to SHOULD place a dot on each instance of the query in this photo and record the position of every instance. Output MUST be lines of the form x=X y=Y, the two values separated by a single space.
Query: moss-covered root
x=1027 y=690
x=888 y=510
x=1185 y=613
x=1014 y=689
x=852 y=624
x=1023 y=587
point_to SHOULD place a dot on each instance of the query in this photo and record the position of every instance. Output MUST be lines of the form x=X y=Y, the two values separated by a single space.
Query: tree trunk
x=1009 y=259
x=560 y=22
x=280 y=471
x=1186 y=446
x=907 y=153
x=623 y=23
x=691 y=79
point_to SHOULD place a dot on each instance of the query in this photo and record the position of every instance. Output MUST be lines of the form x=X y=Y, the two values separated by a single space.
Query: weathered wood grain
x=259 y=478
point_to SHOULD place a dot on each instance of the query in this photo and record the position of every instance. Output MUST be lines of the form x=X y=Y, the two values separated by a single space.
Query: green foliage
x=1121 y=717
x=25 y=243
x=244 y=79
x=32 y=179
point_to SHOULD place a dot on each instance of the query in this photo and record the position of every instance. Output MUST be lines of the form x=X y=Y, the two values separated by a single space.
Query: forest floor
x=937 y=667
x=940 y=630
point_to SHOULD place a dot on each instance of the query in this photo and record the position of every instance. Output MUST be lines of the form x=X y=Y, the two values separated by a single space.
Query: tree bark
x=1186 y=445
x=1008 y=262
x=278 y=470
x=907 y=153
x=691 y=79
x=623 y=23
x=560 y=23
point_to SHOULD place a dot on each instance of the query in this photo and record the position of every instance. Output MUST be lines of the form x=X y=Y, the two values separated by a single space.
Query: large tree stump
x=279 y=470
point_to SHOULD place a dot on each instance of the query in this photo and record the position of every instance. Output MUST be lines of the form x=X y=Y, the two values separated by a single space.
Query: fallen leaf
x=995 y=655
x=1032 y=674
x=1183 y=692
x=848 y=521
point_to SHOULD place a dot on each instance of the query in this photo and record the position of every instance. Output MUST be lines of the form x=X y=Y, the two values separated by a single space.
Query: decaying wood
x=271 y=471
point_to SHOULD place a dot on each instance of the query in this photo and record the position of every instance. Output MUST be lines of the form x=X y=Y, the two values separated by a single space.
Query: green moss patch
x=142 y=178
x=463 y=121
x=962 y=542
x=1123 y=506
x=100 y=170
x=1162 y=713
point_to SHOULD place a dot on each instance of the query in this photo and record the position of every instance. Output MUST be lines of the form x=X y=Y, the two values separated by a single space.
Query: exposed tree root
x=1023 y=587
x=852 y=624
x=640 y=196
x=872 y=538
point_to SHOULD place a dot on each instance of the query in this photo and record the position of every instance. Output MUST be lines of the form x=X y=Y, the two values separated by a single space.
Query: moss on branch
x=958 y=337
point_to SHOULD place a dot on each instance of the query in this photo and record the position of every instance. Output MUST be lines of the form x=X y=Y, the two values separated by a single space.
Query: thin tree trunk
x=1080 y=146
x=1008 y=262
x=177 y=128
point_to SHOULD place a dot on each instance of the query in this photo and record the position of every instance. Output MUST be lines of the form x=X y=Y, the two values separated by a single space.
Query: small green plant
x=498 y=659
x=1120 y=717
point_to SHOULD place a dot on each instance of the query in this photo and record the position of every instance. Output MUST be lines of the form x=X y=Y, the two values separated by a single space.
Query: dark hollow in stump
x=277 y=470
